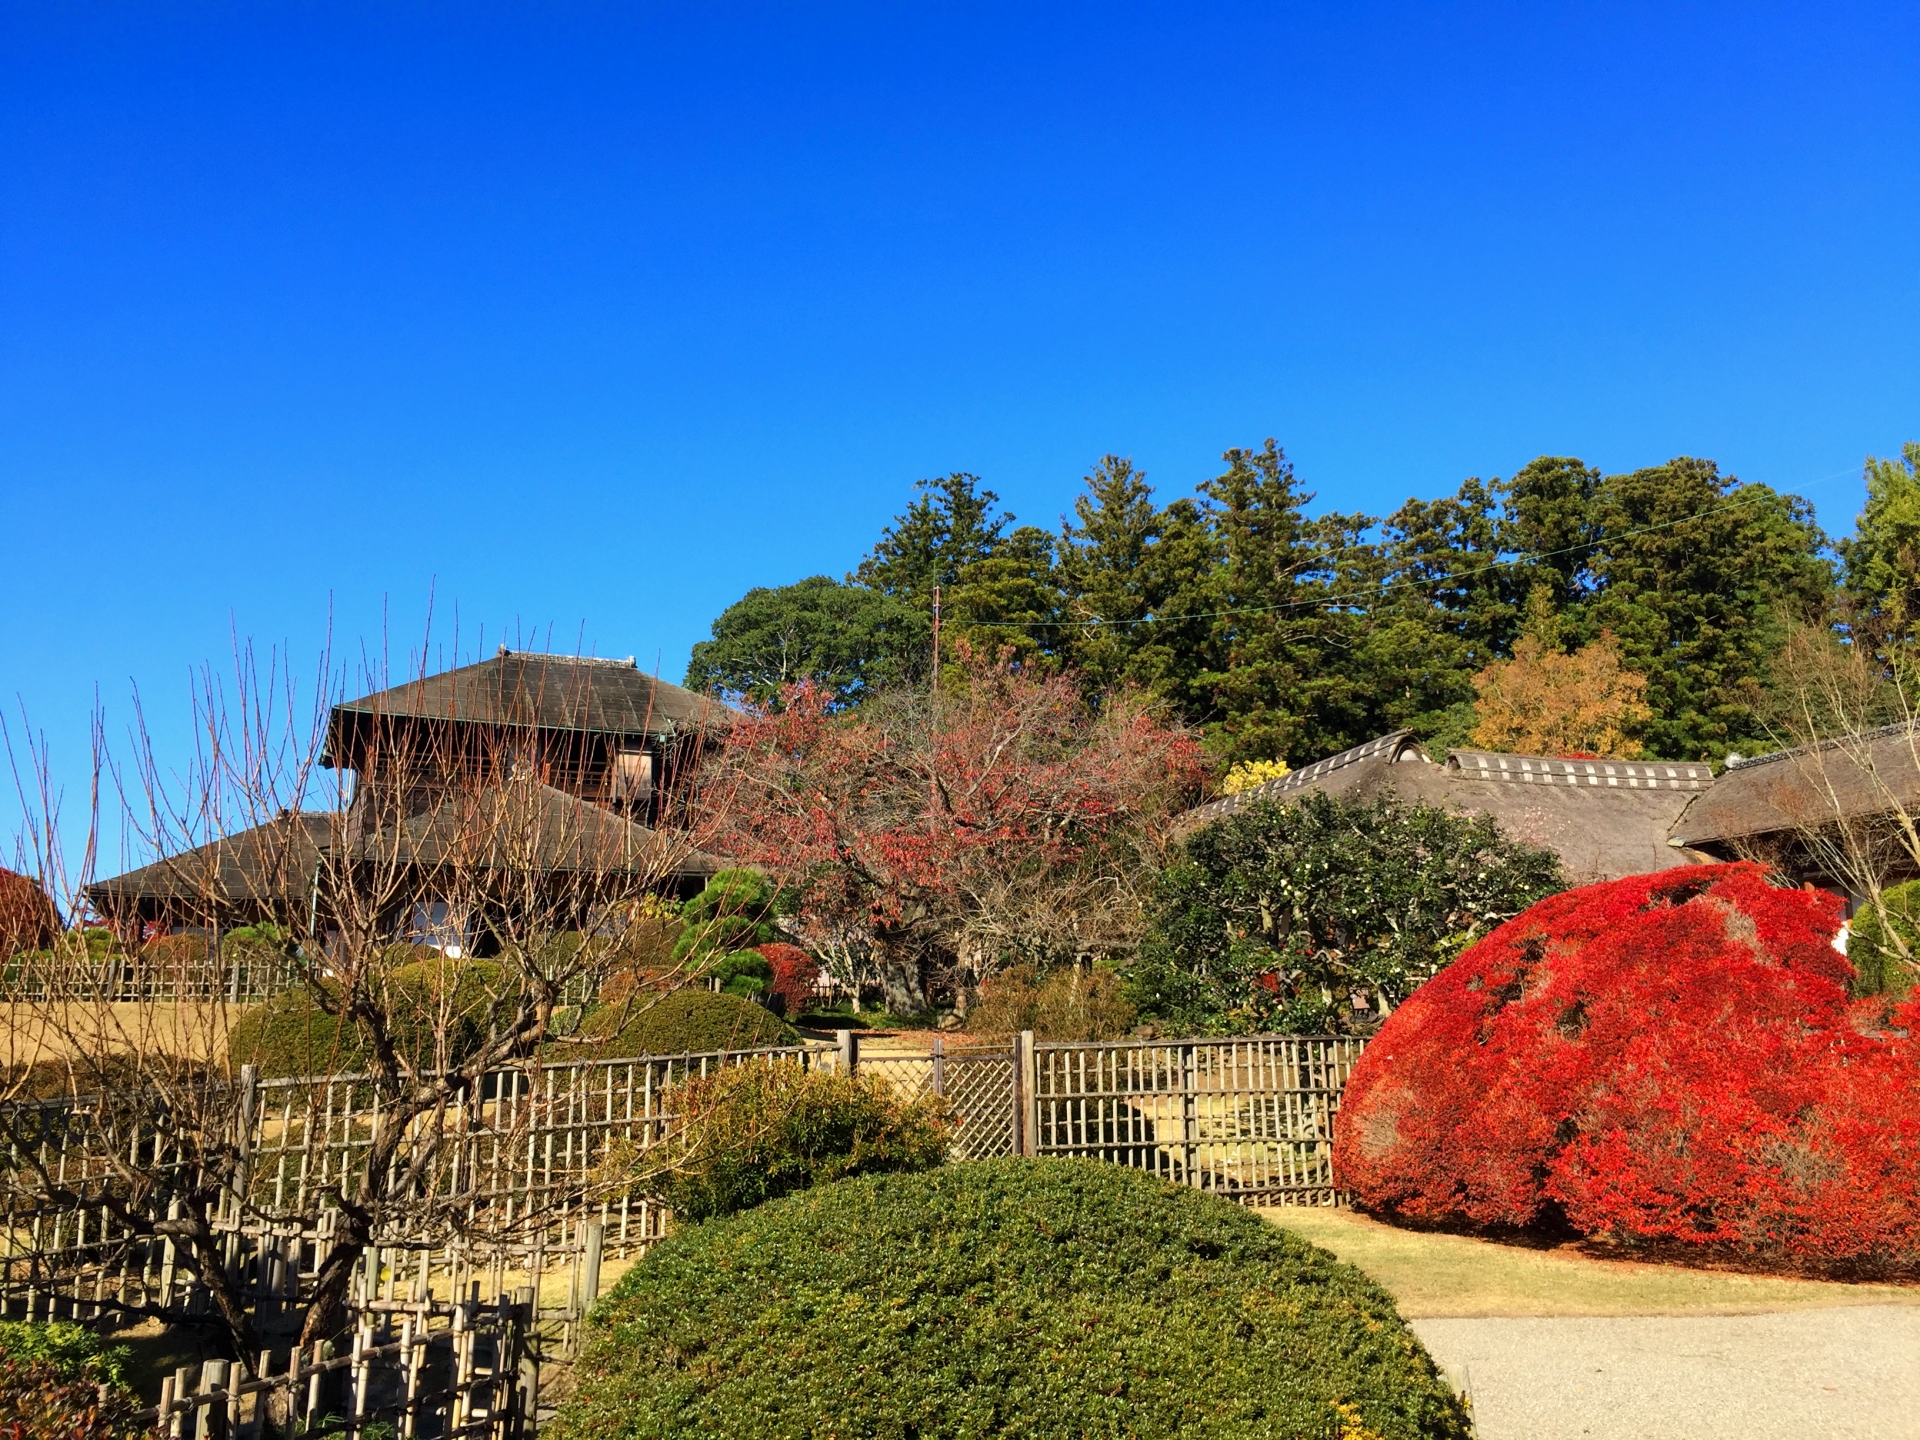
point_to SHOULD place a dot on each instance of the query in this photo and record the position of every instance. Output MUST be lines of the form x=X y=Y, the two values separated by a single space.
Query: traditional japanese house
x=564 y=775
x=1604 y=818
x=1826 y=815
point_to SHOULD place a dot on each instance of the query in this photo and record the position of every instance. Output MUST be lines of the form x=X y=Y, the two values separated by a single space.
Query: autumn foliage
x=937 y=837
x=27 y=916
x=794 y=975
x=1669 y=1059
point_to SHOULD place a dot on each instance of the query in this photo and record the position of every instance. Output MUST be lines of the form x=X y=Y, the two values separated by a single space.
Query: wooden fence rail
x=513 y=1188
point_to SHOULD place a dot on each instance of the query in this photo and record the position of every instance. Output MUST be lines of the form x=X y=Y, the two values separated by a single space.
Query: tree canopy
x=1285 y=632
x=848 y=639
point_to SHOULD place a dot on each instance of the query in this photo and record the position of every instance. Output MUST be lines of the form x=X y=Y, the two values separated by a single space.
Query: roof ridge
x=1742 y=762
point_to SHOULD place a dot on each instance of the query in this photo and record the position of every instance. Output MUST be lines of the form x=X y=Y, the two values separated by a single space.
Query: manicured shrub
x=1669 y=1058
x=294 y=1034
x=27 y=917
x=1067 y=1003
x=1878 y=966
x=58 y=1382
x=1039 y=1298
x=795 y=973
x=733 y=912
x=693 y=1021
x=745 y=973
x=754 y=1132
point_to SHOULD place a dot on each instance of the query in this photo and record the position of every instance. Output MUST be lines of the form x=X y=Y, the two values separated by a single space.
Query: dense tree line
x=1286 y=634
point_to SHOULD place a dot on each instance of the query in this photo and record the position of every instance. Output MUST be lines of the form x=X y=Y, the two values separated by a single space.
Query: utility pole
x=936 y=638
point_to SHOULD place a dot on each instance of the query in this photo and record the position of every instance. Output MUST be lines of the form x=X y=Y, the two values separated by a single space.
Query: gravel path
x=1807 y=1375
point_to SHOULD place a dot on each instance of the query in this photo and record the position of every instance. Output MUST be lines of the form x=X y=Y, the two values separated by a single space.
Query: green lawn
x=1455 y=1275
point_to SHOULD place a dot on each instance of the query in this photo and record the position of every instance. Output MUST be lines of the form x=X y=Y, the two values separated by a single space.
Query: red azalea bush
x=795 y=974
x=1668 y=1058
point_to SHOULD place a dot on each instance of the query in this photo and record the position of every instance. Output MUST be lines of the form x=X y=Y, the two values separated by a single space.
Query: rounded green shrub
x=685 y=1022
x=295 y=1034
x=1040 y=1298
x=1878 y=967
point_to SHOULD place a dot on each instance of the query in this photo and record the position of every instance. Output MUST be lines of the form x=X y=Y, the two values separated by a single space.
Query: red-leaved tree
x=1669 y=1058
x=932 y=838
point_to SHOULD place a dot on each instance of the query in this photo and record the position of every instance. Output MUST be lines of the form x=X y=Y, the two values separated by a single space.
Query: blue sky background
x=586 y=319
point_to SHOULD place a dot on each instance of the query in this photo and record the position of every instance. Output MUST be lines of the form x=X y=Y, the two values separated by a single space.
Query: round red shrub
x=1669 y=1057
x=794 y=975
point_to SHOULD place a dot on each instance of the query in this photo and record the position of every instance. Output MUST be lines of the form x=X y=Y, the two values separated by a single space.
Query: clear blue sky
x=587 y=319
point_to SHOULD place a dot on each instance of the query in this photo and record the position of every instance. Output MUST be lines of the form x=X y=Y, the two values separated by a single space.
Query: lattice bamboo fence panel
x=1250 y=1119
x=980 y=1084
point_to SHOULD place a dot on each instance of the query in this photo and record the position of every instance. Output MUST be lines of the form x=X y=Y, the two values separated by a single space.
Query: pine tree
x=1010 y=599
x=1274 y=648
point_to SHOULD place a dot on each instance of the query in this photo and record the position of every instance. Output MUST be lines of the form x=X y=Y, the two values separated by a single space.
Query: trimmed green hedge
x=685 y=1022
x=292 y=1035
x=1040 y=1298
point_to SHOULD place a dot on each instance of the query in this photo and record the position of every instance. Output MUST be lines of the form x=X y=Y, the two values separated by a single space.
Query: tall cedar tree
x=1107 y=574
x=1698 y=577
x=950 y=525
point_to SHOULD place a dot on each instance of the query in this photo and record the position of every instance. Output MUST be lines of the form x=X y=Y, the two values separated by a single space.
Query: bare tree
x=1840 y=803
x=435 y=891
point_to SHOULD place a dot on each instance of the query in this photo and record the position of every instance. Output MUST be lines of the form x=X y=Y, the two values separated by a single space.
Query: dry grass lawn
x=1434 y=1276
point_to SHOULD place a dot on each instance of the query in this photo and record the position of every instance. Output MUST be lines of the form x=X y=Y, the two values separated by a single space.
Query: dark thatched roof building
x=557 y=767
x=1603 y=818
x=1782 y=806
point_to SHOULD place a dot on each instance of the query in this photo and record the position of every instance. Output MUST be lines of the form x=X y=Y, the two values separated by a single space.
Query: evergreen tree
x=951 y=524
x=1883 y=559
x=1698 y=576
x=1106 y=577
x=1009 y=599
x=846 y=637
x=1549 y=519
x=1275 y=648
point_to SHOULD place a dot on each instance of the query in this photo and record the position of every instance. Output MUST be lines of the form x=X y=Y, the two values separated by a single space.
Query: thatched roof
x=1604 y=818
x=1809 y=787
x=545 y=830
x=548 y=692
x=523 y=825
x=274 y=859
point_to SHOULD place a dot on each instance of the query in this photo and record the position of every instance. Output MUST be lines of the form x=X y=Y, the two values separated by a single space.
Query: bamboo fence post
x=1026 y=1097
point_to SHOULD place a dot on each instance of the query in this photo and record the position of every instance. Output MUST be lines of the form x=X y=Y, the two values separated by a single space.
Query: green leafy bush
x=693 y=1021
x=58 y=1382
x=74 y=1352
x=1306 y=916
x=1039 y=1298
x=754 y=1132
x=1067 y=1003
x=1878 y=966
x=294 y=1033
